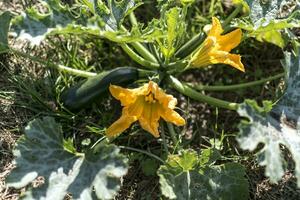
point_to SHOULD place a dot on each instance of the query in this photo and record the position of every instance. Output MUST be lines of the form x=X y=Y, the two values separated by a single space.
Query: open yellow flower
x=216 y=47
x=146 y=104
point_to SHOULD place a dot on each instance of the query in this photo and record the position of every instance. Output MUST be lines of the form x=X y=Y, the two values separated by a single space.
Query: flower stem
x=163 y=135
x=235 y=86
x=172 y=133
x=144 y=152
x=186 y=90
x=53 y=65
x=232 y=15
x=139 y=59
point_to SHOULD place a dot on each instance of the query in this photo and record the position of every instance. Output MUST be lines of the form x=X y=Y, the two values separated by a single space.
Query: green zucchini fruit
x=84 y=93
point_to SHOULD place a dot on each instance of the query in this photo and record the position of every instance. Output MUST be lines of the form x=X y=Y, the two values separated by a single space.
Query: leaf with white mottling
x=270 y=32
x=41 y=152
x=267 y=10
x=35 y=26
x=280 y=126
x=95 y=18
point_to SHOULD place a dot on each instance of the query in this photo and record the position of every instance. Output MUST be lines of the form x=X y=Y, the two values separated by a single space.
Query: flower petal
x=149 y=118
x=121 y=124
x=170 y=115
x=235 y=61
x=126 y=96
x=136 y=109
x=230 y=40
x=216 y=28
x=201 y=58
x=227 y=58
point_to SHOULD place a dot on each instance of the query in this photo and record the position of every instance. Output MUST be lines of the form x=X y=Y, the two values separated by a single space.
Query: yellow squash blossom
x=216 y=47
x=145 y=104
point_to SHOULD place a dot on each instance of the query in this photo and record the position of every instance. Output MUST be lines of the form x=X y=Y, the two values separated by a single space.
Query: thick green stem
x=144 y=52
x=186 y=90
x=139 y=59
x=232 y=15
x=141 y=49
x=133 y=19
x=235 y=86
x=144 y=152
x=190 y=46
x=54 y=66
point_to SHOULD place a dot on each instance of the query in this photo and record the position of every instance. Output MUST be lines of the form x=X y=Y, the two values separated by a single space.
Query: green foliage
x=5 y=18
x=94 y=18
x=289 y=104
x=34 y=26
x=116 y=12
x=269 y=31
x=41 y=152
x=174 y=31
x=186 y=176
x=281 y=126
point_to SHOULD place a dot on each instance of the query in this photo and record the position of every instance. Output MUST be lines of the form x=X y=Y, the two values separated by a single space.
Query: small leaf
x=207 y=182
x=279 y=127
x=5 y=18
x=209 y=156
x=41 y=152
x=186 y=161
x=173 y=24
x=172 y=18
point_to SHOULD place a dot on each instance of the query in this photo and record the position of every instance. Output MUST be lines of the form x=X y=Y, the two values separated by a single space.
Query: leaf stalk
x=235 y=86
x=188 y=91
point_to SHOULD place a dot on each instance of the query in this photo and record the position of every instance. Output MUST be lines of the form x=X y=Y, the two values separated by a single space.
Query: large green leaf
x=34 y=26
x=5 y=18
x=271 y=31
x=95 y=18
x=280 y=126
x=43 y=152
x=182 y=177
x=289 y=104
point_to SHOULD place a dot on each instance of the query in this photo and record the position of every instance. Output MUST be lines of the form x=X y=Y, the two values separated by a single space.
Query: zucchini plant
x=162 y=50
